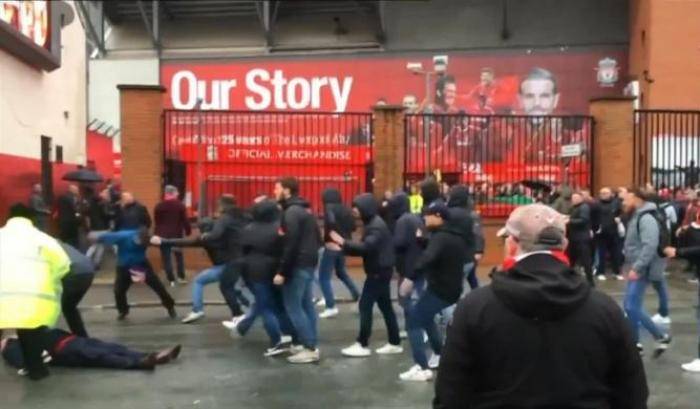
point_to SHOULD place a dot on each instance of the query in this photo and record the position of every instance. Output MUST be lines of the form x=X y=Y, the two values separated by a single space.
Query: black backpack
x=664 y=234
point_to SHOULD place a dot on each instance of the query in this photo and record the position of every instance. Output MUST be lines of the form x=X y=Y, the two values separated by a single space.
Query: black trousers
x=74 y=288
x=122 y=283
x=167 y=253
x=94 y=353
x=69 y=233
x=580 y=254
x=377 y=290
x=609 y=245
x=227 y=285
x=32 y=343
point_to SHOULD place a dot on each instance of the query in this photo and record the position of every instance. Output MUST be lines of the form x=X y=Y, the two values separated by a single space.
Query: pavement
x=216 y=371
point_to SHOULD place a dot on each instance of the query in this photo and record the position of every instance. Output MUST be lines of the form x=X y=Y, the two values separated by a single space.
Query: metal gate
x=667 y=148
x=243 y=153
x=506 y=160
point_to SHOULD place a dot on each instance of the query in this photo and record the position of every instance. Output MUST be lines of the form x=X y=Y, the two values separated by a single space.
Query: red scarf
x=557 y=254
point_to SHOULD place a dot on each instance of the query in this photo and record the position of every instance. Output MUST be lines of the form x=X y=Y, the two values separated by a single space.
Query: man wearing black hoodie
x=539 y=336
x=377 y=251
x=336 y=217
x=442 y=263
x=607 y=238
x=296 y=276
x=580 y=234
x=469 y=222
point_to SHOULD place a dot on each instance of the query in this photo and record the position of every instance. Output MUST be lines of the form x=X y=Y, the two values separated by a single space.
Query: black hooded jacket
x=376 y=247
x=539 y=337
x=461 y=219
x=406 y=245
x=336 y=215
x=301 y=236
x=442 y=263
x=609 y=210
x=261 y=243
x=580 y=223
x=132 y=216
x=429 y=191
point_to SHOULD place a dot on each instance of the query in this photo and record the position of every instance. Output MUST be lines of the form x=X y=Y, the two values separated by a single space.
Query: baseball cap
x=438 y=208
x=535 y=224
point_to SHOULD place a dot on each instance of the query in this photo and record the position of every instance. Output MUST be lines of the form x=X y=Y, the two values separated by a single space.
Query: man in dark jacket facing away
x=336 y=217
x=442 y=263
x=377 y=251
x=69 y=216
x=579 y=233
x=131 y=214
x=171 y=223
x=470 y=223
x=75 y=285
x=608 y=240
x=296 y=276
x=539 y=336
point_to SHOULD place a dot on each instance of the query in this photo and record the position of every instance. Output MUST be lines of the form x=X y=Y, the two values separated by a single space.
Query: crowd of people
x=542 y=294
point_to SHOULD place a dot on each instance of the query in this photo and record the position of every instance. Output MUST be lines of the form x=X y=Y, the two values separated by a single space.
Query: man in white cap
x=539 y=335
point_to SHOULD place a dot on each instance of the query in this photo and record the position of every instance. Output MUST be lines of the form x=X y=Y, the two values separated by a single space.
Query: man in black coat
x=302 y=240
x=336 y=217
x=377 y=252
x=69 y=217
x=131 y=214
x=442 y=263
x=608 y=241
x=539 y=336
x=469 y=222
x=580 y=234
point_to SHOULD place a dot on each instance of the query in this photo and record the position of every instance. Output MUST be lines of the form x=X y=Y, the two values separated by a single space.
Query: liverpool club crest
x=608 y=72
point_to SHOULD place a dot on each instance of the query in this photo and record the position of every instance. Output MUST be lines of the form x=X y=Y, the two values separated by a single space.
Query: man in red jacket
x=171 y=223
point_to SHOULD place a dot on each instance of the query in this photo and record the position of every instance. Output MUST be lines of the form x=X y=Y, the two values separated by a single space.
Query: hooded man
x=377 y=252
x=469 y=221
x=442 y=264
x=336 y=217
x=558 y=342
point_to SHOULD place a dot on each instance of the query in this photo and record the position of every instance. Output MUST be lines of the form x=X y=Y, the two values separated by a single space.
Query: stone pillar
x=141 y=108
x=613 y=146
x=389 y=146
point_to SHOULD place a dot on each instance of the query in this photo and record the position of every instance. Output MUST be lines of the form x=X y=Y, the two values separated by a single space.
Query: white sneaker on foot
x=181 y=281
x=602 y=277
x=693 y=366
x=434 y=362
x=295 y=349
x=356 y=351
x=620 y=277
x=417 y=374
x=286 y=339
x=306 y=356
x=389 y=349
x=192 y=317
x=328 y=313
x=172 y=283
x=659 y=320
x=278 y=349
x=403 y=334
x=233 y=324
x=321 y=302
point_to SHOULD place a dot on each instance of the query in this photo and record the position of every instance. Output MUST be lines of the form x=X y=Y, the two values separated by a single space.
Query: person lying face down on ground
x=62 y=348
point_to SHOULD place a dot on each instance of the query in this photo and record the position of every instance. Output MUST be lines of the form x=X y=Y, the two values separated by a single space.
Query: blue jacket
x=130 y=252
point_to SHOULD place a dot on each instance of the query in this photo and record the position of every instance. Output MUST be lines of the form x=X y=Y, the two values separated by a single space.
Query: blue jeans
x=422 y=318
x=334 y=260
x=407 y=302
x=634 y=307
x=264 y=306
x=208 y=276
x=469 y=271
x=662 y=291
x=297 y=293
x=377 y=290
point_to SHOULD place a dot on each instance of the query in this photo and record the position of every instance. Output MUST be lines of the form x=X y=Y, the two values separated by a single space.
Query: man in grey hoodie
x=643 y=264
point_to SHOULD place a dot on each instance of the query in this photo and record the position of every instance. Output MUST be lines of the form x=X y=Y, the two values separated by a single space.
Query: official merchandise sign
x=30 y=31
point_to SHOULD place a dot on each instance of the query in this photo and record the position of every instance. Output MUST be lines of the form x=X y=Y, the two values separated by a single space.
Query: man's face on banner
x=486 y=78
x=450 y=94
x=410 y=102
x=537 y=97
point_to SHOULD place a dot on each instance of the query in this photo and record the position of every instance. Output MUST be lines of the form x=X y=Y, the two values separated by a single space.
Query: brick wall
x=613 y=162
x=388 y=148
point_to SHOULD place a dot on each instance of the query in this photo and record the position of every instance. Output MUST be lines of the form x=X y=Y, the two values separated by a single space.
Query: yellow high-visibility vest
x=416 y=202
x=32 y=265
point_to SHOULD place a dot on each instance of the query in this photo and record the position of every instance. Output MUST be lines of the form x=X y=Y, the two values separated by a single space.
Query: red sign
x=30 y=18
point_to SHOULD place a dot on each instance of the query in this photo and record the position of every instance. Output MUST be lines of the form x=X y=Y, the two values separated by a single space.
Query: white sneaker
x=356 y=351
x=389 y=349
x=192 y=317
x=172 y=283
x=620 y=277
x=693 y=366
x=434 y=362
x=306 y=356
x=286 y=339
x=425 y=337
x=321 y=302
x=181 y=281
x=659 y=320
x=328 y=313
x=295 y=349
x=601 y=277
x=23 y=372
x=233 y=324
x=403 y=334
x=417 y=374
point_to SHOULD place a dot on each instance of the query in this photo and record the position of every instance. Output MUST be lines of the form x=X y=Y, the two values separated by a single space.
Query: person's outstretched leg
x=157 y=286
x=208 y=276
x=122 y=282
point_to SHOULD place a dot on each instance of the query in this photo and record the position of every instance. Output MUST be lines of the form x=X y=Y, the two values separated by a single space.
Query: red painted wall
x=100 y=154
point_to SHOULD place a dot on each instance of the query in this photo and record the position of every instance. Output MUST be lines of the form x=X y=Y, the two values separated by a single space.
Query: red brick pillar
x=613 y=151
x=389 y=148
x=141 y=108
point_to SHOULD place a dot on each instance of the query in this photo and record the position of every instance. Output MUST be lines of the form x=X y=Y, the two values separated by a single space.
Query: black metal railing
x=211 y=153
x=506 y=160
x=667 y=148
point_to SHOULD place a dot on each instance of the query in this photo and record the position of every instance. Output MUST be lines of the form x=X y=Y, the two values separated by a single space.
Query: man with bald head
x=608 y=241
x=539 y=336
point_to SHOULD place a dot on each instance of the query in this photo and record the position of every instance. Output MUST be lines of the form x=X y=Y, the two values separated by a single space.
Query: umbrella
x=83 y=175
x=537 y=185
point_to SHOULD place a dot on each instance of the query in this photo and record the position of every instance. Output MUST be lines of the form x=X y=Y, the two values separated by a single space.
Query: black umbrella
x=83 y=175
x=537 y=185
